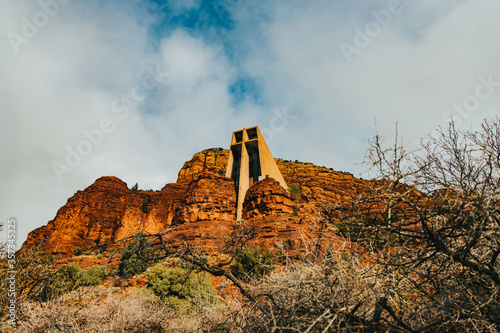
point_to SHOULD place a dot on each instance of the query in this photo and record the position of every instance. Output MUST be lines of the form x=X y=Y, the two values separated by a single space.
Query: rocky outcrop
x=199 y=209
x=318 y=185
x=106 y=211
x=210 y=160
x=266 y=198
x=209 y=197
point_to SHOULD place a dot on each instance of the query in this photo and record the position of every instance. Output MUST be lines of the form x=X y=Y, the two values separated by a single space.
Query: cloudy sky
x=134 y=88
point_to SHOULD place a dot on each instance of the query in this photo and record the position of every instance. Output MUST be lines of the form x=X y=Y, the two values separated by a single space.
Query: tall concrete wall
x=249 y=147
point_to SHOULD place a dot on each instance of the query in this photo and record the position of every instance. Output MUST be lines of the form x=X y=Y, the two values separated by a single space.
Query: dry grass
x=94 y=310
x=334 y=295
x=339 y=293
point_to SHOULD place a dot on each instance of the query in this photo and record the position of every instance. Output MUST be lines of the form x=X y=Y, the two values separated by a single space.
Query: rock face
x=200 y=209
x=209 y=197
x=266 y=198
x=317 y=185
x=210 y=160
x=107 y=211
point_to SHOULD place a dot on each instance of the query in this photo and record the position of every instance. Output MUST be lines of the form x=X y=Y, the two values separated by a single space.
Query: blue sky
x=134 y=88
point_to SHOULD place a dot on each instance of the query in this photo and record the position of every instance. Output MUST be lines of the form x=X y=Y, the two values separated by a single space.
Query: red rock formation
x=106 y=211
x=318 y=185
x=210 y=160
x=209 y=197
x=199 y=209
x=265 y=198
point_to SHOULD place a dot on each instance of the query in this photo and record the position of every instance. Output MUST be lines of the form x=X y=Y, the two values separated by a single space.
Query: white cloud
x=399 y=77
x=67 y=77
x=60 y=83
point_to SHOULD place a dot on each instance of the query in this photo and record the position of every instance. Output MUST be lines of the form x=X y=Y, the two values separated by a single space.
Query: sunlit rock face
x=200 y=208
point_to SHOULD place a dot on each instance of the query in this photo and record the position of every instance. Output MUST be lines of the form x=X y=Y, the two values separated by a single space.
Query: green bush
x=252 y=263
x=65 y=277
x=92 y=276
x=61 y=280
x=137 y=256
x=77 y=251
x=146 y=201
x=294 y=191
x=178 y=286
x=69 y=277
x=102 y=247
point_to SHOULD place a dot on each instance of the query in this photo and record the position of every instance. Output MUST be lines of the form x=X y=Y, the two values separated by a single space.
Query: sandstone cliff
x=199 y=209
x=107 y=211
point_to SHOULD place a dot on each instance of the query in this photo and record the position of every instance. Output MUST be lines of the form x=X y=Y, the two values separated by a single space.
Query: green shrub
x=137 y=256
x=294 y=191
x=77 y=251
x=48 y=258
x=92 y=276
x=146 y=201
x=361 y=232
x=102 y=247
x=66 y=276
x=178 y=286
x=69 y=277
x=252 y=263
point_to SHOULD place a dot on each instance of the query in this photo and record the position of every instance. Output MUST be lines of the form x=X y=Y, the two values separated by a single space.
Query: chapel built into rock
x=249 y=161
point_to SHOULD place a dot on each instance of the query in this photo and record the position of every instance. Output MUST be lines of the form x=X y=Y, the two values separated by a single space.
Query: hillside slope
x=199 y=209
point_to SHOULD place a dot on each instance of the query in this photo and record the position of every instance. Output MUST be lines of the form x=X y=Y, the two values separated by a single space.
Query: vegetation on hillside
x=253 y=263
x=420 y=253
x=137 y=256
x=179 y=287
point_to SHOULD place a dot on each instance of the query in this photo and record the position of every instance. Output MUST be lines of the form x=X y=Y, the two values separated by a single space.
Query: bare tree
x=438 y=211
